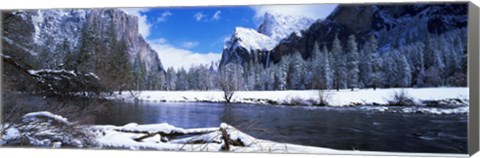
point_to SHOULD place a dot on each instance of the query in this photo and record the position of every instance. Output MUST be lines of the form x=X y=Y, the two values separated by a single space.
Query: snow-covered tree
x=270 y=76
x=315 y=66
x=298 y=72
x=352 y=62
x=182 y=80
x=339 y=67
x=170 y=79
x=373 y=64
x=389 y=68
x=282 y=73
x=404 y=74
x=428 y=52
x=327 y=68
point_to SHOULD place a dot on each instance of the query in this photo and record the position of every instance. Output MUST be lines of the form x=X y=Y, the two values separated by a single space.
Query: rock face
x=247 y=44
x=393 y=25
x=32 y=29
x=126 y=27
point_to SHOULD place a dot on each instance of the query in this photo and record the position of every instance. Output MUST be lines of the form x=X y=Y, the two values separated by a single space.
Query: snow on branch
x=36 y=116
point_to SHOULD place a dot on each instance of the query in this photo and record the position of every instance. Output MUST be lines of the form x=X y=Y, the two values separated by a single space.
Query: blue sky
x=198 y=29
x=185 y=36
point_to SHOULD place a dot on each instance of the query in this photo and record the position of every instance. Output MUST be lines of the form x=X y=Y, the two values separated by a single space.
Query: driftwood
x=226 y=139
x=167 y=135
x=164 y=136
x=147 y=136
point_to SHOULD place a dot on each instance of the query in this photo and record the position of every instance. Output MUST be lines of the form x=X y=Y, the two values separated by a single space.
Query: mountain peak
x=279 y=26
x=249 y=39
x=247 y=43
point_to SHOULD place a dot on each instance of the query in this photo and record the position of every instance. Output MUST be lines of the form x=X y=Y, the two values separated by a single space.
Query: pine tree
x=282 y=73
x=352 y=65
x=298 y=70
x=139 y=73
x=327 y=73
x=270 y=72
x=404 y=74
x=88 y=47
x=389 y=69
x=339 y=64
x=171 y=79
x=316 y=67
x=122 y=67
x=428 y=52
x=69 y=61
x=420 y=68
x=373 y=71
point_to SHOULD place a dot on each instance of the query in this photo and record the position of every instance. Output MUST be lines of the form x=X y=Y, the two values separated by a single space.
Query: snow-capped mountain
x=247 y=44
x=37 y=30
x=278 y=27
x=393 y=25
x=250 y=39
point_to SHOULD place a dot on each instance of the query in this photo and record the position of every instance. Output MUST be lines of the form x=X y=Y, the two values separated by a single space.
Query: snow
x=274 y=28
x=250 y=39
x=223 y=125
x=44 y=129
x=58 y=24
x=151 y=128
x=109 y=136
x=34 y=116
x=213 y=142
x=93 y=75
x=11 y=133
x=36 y=72
x=414 y=109
x=278 y=27
x=335 y=98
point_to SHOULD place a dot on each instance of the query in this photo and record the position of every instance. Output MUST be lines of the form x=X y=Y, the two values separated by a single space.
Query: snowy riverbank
x=450 y=95
x=44 y=129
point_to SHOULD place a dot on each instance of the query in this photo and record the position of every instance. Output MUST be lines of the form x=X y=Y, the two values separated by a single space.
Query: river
x=346 y=128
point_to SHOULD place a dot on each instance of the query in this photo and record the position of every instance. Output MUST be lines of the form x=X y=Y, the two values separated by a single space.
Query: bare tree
x=323 y=97
x=230 y=80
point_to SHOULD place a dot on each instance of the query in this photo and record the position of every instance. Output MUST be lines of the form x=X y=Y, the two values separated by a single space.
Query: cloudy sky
x=185 y=36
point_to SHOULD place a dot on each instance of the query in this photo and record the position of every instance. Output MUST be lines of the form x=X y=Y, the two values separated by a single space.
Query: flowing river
x=345 y=128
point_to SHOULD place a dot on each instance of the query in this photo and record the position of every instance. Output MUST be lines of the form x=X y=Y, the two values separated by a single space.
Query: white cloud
x=178 y=58
x=189 y=44
x=317 y=11
x=199 y=16
x=143 y=25
x=217 y=15
x=158 y=41
x=164 y=16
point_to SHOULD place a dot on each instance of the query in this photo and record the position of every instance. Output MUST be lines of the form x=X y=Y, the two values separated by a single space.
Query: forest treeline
x=437 y=60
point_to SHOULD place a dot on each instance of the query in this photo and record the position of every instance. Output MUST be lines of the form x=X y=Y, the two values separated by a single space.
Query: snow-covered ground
x=155 y=137
x=212 y=141
x=306 y=97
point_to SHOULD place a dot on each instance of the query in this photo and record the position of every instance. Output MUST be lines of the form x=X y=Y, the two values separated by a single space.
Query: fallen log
x=165 y=131
x=172 y=133
x=225 y=137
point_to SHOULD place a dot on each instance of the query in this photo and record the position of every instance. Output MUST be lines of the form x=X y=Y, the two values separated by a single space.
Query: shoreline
x=425 y=97
x=163 y=136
